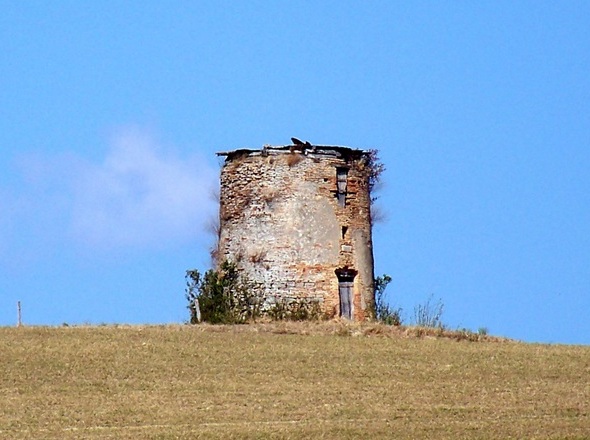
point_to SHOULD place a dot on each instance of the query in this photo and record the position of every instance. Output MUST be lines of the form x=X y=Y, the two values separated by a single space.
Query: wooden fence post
x=197 y=310
x=19 y=321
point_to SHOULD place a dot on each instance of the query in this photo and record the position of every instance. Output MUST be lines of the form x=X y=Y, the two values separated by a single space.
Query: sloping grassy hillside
x=185 y=382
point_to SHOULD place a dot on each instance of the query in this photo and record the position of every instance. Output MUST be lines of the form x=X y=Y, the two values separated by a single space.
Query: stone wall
x=282 y=223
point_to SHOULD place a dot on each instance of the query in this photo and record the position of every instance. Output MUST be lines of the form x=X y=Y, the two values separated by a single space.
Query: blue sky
x=111 y=113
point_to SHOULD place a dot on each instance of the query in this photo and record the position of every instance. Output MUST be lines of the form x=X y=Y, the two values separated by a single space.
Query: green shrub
x=222 y=296
x=383 y=311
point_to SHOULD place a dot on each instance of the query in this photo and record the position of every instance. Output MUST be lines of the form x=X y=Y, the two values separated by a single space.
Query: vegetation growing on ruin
x=294 y=158
x=377 y=168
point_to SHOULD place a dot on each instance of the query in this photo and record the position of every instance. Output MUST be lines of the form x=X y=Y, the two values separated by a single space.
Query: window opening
x=341 y=182
x=344 y=231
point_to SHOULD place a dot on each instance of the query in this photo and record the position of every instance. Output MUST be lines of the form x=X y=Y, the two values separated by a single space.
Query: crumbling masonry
x=296 y=220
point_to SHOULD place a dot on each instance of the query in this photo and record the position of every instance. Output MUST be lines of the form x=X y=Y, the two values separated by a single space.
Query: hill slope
x=222 y=382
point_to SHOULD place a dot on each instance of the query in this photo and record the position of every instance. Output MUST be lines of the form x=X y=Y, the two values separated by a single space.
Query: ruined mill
x=296 y=220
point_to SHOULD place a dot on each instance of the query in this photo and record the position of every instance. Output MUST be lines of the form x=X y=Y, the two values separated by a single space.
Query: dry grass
x=285 y=380
x=294 y=158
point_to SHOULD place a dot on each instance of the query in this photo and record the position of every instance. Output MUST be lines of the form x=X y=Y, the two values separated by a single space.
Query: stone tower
x=296 y=220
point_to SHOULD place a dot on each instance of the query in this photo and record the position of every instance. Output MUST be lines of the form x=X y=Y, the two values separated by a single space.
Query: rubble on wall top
x=297 y=146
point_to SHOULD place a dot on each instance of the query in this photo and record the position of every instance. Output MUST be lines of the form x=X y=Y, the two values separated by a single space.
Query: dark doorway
x=345 y=292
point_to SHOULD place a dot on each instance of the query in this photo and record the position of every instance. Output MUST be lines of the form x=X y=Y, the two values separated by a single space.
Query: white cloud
x=141 y=195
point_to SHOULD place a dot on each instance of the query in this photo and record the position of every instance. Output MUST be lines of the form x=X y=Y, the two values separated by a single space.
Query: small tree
x=223 y=296
x=383 y=311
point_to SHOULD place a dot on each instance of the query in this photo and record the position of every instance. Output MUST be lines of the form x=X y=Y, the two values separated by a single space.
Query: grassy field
x=285 y=381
